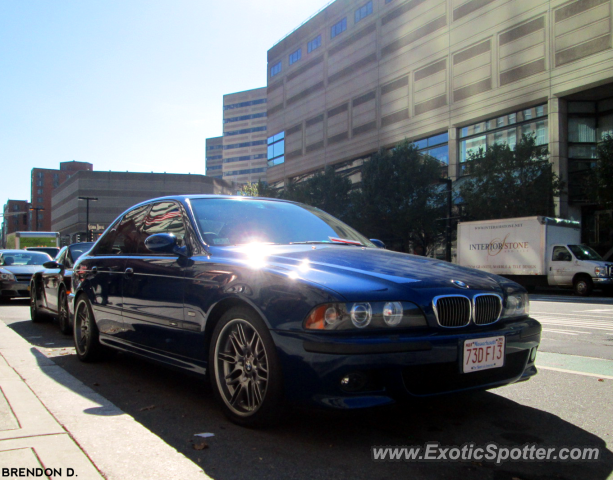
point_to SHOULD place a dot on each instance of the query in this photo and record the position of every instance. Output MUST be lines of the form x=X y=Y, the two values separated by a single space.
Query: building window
x=40 y=174
x=363 y=12
x=244 y=144
x=56 y=180
x=244 y=117
x=244 y=104
x=435 y=146
x=505 y=129
x=245 y=131
x=244 y=172
x=314 y=44
x=276 y=149
x=339 y=28
x=275 y=69
x=39 y=200
x=39 y=183
x=294 y=57
x=588 y=125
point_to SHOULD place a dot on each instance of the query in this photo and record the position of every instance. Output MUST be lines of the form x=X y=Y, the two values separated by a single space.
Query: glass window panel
x=605 y=105
x=423 y=143
x=438 y=139
x=605 y=126
x=508 y=136
x=440 y=153
x=279 y=148
x=512 y=118
x=581 y=107
x=271 y=151
x=582 y=151
x=538 y=129
x=471 y=145
x=581 y=130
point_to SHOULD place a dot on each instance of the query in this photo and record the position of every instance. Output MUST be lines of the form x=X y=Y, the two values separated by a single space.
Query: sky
x=128 y=85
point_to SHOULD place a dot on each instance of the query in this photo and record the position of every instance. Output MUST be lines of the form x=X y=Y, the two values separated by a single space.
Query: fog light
x=392 y=313
x=361 y=313
x=354 y=382
x=533 y=354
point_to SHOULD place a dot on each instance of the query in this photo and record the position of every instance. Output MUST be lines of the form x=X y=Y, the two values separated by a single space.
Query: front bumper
x=397 y=367
x=602 y=281
x=14 y=289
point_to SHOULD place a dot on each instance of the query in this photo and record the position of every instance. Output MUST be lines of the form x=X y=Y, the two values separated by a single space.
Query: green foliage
x=249 y=190
x=327 y=191
x=600 y=188
x=506 y=183
x=260 y=189
x=400 y=201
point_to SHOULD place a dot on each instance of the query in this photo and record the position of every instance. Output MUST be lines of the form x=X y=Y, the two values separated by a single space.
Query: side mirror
x=52 y=264
x=378 y=243
x=164 y=243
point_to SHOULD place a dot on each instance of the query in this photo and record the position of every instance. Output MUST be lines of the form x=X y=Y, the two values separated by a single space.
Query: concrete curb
x=118 y=446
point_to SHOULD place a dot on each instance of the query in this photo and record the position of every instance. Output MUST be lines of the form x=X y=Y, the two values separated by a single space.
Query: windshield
x=235 y=221
x=584 y=253
x=25 y=258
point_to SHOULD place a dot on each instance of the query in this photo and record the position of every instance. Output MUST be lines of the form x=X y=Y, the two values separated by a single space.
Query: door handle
x=94 y=270
x=129 y=271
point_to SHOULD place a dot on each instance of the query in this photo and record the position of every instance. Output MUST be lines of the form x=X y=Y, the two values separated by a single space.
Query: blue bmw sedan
x=278 y=302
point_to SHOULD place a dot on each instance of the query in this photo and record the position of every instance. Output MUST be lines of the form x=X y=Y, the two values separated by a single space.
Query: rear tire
x=583 y=286
x=245 y=373
x=62 y=317
x=85 y=332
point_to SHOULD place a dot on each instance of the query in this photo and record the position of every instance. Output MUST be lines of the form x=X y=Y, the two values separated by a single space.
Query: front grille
x=487 y=309
x=452 y=311
x=23 y=277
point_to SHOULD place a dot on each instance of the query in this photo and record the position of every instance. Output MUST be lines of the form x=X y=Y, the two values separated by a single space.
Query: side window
x=63 y=258
x=126 y=236
x=165 y=217
x=561 y=254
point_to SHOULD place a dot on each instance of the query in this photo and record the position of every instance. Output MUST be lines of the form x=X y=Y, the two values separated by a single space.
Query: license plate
x=483 y=353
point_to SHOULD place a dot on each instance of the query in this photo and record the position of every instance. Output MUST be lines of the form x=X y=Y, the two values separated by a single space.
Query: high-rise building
x=14 y=218
x=451 y=75
x=44 y=182
x=214 y=157
x=243 y=144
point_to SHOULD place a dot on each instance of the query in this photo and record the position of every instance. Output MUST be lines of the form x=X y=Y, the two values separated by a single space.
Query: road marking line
x=576 y=332
x=608 y=377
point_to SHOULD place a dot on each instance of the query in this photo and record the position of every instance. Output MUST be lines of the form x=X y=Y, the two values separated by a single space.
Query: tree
x=400 y=200
x=249 y=190
x=325 y=190
x=260 y=189
x=600 y=179
x=506 y=183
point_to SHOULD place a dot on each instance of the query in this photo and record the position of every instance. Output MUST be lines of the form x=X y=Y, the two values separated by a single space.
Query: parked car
x=280 y=302
x=16 y=270
x=50 y=287
x=52 y=251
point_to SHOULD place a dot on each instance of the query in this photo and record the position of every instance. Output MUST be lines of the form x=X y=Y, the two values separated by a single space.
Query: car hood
x=23 y=269
x=349 y=269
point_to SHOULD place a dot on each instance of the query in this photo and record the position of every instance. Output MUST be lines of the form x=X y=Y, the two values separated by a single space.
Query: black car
x=50 y=287
x=16 y=270
x=280 y=302
x=51 y=251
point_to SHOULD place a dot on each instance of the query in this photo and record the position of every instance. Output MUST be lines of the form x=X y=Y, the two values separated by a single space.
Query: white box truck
x=534 y=251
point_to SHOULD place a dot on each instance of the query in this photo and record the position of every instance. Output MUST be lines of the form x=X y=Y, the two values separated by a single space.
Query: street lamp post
x=36 y=209
x=88 y=199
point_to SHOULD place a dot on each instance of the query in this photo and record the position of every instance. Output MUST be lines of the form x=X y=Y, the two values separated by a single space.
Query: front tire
x=85 y=332
x=244 y=369
x=62 y=316
x=35 y=315
x=583 y=286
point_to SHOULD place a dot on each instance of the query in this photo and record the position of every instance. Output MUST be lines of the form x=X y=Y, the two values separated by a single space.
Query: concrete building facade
x=450 y=75
x=43 y=183
x=115 y=192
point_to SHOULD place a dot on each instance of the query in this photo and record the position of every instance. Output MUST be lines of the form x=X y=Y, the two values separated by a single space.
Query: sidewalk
x=55 y=426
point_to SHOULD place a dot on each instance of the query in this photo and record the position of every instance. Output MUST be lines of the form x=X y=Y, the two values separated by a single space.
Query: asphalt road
x=555 y=408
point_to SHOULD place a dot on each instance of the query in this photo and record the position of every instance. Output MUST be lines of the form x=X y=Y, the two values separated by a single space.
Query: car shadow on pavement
x=314 y=444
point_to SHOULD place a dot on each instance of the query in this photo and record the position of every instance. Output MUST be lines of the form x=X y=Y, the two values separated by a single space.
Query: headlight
x=517 y=304
x=600 y=271
x=7 y=276
x=362 y=315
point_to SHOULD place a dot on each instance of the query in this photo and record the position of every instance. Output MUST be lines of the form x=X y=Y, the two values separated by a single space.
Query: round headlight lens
x=392 y=313
x=331 y=316
x=361 y=314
